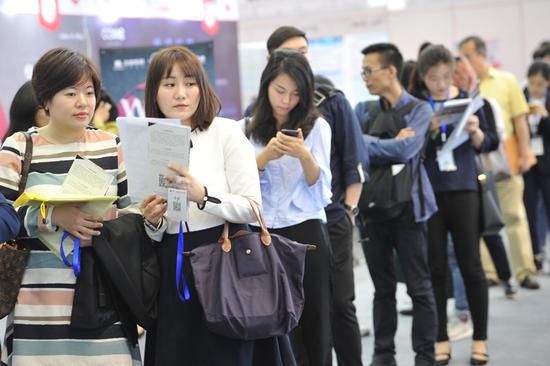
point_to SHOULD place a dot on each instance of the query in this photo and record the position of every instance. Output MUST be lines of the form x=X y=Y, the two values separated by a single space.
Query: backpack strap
x=26 y=163
x=407 y=108
x=373 y=110
x=323 y=92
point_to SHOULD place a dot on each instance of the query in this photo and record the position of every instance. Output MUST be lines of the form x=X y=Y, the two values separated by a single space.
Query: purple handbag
x=250 y=285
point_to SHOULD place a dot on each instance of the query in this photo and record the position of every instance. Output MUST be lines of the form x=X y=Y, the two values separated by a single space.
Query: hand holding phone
x=288 y=132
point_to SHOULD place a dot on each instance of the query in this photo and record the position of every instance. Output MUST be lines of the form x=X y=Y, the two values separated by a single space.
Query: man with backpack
x=396 y=203
x=347 y=161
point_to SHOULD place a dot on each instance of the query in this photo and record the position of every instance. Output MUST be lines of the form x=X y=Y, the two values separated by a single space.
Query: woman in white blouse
x=292 y=144
x=221 y=179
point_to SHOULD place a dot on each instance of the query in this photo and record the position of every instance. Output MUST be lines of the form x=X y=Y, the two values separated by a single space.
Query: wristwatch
x=207 y=198
x=354 y=211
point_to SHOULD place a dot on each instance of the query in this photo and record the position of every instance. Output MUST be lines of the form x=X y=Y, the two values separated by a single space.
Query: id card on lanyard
x=443 y=126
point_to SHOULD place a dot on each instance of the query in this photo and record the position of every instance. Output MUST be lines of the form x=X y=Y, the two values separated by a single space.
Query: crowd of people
x=319 y=168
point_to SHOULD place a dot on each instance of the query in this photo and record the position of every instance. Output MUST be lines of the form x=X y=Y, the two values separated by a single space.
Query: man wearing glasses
x=405 y=232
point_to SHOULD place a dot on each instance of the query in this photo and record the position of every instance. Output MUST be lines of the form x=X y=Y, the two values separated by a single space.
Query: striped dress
x=38 y=330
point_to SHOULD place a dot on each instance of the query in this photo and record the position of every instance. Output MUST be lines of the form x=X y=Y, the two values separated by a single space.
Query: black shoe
x=539 y=261
x=509 y=290
x=530 y=283
x=442 y=359
x=383 y=360
x=407 y=312
x=365 y=332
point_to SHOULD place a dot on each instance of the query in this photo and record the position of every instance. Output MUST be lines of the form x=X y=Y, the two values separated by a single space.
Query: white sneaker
x=458 y=329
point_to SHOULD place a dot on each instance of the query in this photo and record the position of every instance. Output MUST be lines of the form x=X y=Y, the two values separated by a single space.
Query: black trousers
x=458 y=214
x=346 y=336
x=496 y=248
x=409 y=240
x=311 y=339
x=536 y=182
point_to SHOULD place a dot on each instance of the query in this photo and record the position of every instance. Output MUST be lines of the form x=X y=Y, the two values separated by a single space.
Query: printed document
x=149 y=145
x=459 y=135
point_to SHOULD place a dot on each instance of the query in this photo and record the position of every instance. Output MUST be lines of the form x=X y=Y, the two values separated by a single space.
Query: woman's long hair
x=264 y=126
x=23 y=110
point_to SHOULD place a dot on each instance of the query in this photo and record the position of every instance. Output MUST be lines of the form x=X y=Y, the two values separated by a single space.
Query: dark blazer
x=543 y=162
x=119 y=279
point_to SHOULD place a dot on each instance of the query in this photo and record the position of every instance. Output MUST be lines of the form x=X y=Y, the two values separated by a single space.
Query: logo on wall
x=130 y=104
x=210 y=22
x=48 y=14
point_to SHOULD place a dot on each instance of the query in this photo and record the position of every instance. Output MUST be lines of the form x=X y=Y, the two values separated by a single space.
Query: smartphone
x=293 y=133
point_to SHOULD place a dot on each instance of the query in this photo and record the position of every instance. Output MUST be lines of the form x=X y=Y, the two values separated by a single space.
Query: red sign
x=48 y=14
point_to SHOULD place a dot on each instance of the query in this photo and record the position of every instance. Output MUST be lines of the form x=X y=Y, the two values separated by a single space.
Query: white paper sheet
x=86 y=179
x=459 y=135
x=149 y=145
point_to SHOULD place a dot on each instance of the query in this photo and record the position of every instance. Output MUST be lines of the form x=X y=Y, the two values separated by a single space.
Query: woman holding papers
x=220 y=182
x=292 y=144
x=454 y=178
x=66 y=85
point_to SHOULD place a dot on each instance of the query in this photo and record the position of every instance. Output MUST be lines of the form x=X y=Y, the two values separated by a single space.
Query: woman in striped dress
x=38 y=331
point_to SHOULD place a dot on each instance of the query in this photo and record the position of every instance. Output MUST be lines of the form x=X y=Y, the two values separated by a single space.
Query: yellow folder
x=94 y=205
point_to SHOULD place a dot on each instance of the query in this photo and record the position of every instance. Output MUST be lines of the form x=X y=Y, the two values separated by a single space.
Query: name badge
x=537 y=145
x=446 y=161
x=178 y=205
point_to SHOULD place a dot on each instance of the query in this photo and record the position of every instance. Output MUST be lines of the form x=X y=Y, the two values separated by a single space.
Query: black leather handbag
x=13 y=260
x=250 y=285
x=491 y=220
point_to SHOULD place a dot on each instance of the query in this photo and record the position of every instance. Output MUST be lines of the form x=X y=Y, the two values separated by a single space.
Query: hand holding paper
x=70 y=218
x=153 y=207
x=79 y=205
x=194 y=188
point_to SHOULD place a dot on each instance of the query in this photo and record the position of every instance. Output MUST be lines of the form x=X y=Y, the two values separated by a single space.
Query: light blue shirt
x=287 y=199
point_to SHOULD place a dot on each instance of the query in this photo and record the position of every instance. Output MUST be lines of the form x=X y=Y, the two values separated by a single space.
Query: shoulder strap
x=323 y=92
x=372 y=108
x=26 y=163
x=407 y=108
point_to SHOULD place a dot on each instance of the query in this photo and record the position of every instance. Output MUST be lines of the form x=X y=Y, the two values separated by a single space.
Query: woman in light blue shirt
x=292 y=144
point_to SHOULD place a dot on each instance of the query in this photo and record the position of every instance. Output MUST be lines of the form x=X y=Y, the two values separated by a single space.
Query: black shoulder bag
x=388 y=192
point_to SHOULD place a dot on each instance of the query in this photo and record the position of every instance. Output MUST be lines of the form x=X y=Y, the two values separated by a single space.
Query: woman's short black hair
x=60 y=68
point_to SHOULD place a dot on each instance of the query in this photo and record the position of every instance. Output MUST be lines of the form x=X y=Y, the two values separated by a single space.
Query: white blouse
x=223 y=160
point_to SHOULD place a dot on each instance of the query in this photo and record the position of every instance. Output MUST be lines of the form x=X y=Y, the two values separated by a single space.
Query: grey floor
x=519 y=330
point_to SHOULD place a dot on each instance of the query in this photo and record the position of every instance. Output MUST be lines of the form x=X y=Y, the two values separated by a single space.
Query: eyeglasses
x=368 y=71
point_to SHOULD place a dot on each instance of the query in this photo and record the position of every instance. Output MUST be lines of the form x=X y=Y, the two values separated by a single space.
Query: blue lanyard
x=180 y=277
x=443 y=125
x=76 y=254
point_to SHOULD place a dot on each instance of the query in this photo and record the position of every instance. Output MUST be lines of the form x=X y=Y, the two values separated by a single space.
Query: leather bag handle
x=265 y=237
x=26 y=164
